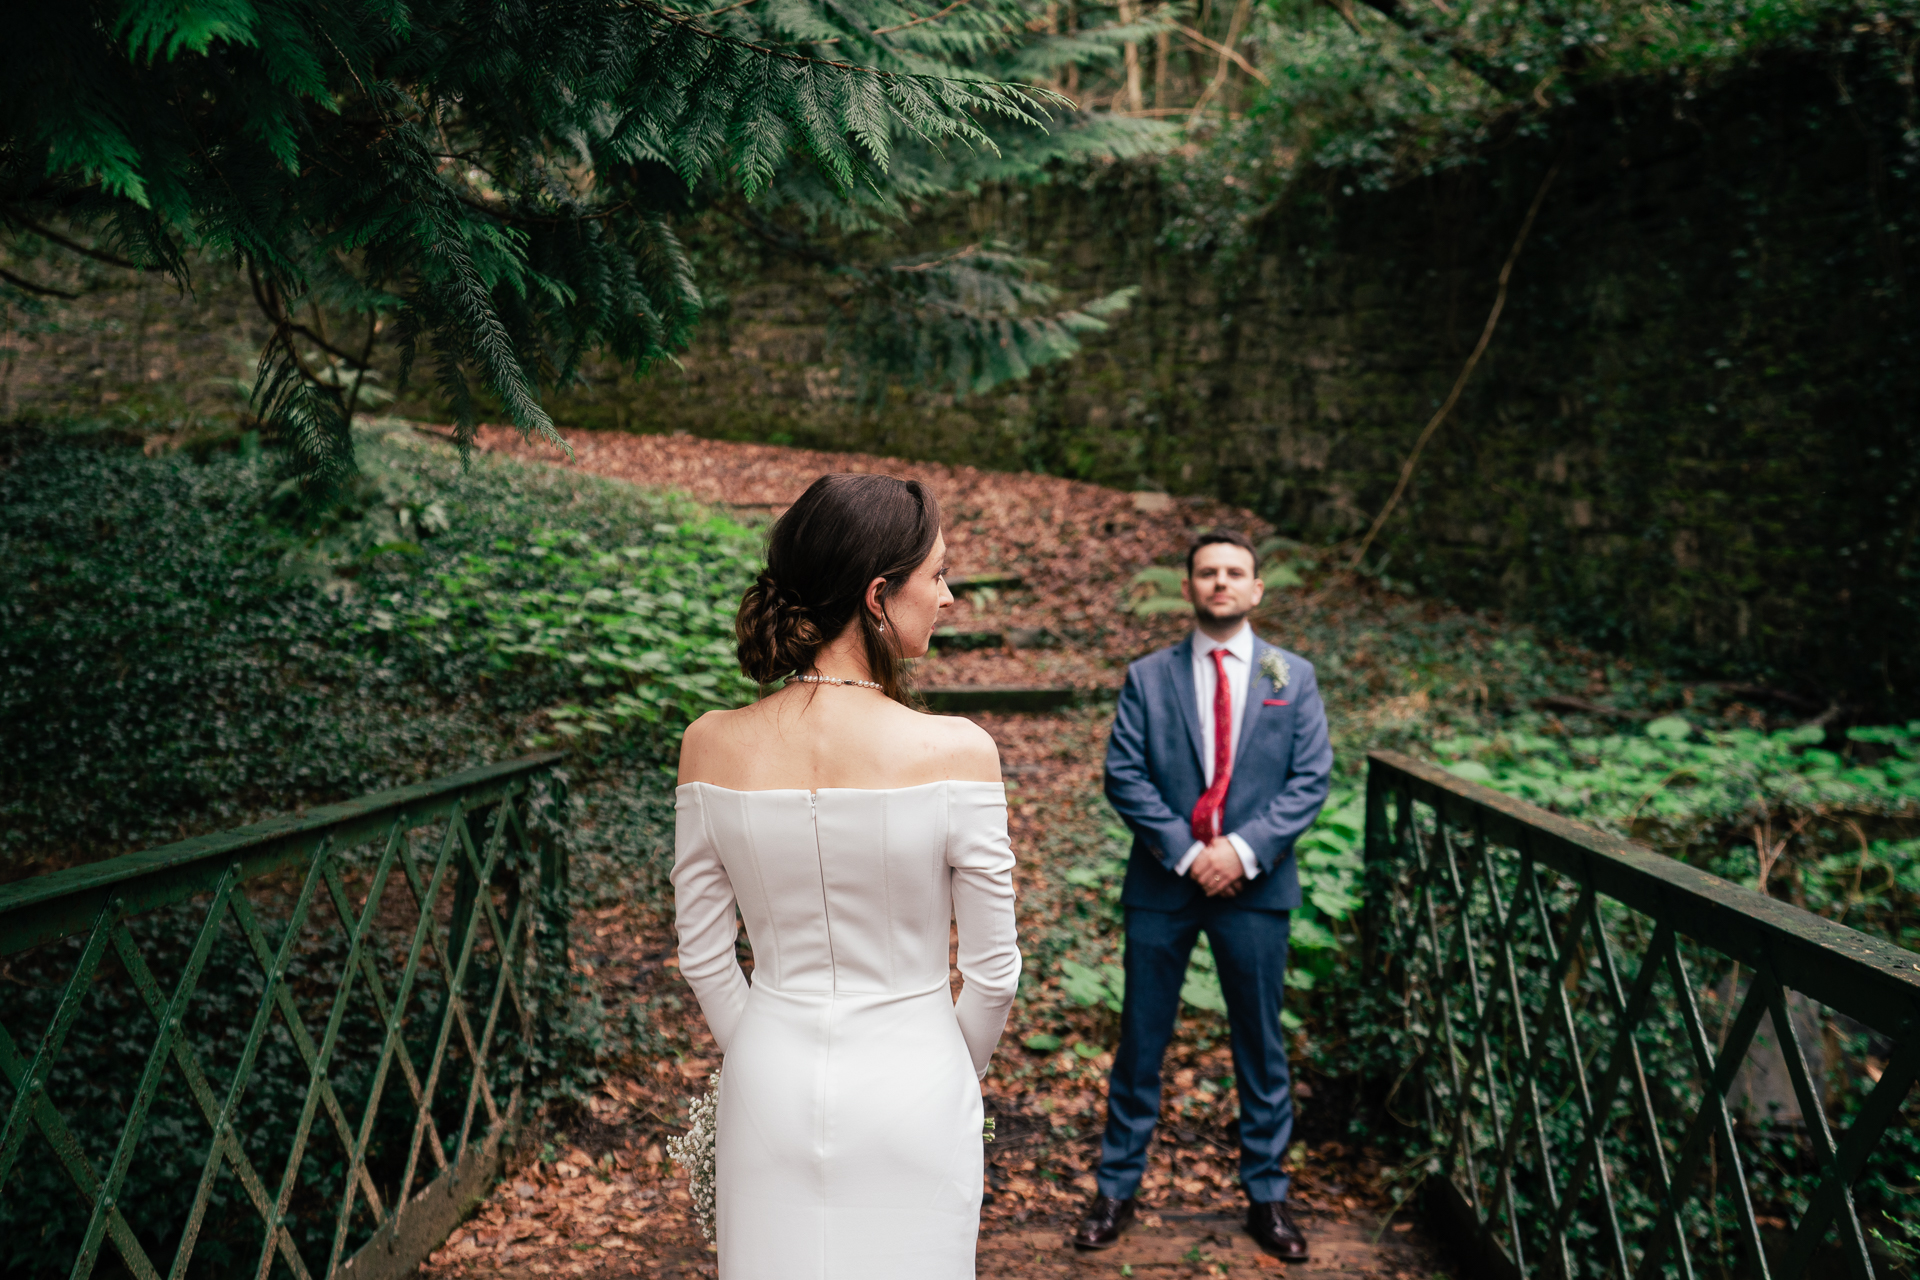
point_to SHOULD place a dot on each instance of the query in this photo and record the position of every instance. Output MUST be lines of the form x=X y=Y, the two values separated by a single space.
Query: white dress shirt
x=1239 y=667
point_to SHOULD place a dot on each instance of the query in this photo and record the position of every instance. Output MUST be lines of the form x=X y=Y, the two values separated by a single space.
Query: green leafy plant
x=644 y=631
x=1105 y=985
x=1156 y=589
x=1331 y=864
x=1280 y=574
x=1901 y=1241
x=1833 y=830
x=497 y=189
x=1201 y=987
x=263 y=653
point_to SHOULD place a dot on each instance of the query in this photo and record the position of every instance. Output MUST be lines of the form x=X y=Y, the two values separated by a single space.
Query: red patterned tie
x=1206 y=814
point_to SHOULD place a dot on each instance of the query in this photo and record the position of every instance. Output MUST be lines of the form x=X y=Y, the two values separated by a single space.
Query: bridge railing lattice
x=1580 y=1031
x=297 y=1047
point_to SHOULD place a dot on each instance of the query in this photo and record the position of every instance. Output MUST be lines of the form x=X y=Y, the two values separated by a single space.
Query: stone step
x=1029 y=699
x=963 y=582
x=954 y=640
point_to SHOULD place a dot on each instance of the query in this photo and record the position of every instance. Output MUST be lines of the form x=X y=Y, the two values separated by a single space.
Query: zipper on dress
x=813 y=815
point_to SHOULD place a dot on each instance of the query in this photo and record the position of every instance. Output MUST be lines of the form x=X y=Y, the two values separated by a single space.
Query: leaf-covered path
x=1075 y=546
x=601 y=1200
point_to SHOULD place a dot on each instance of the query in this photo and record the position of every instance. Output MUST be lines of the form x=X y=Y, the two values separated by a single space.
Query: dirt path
x=602 y=1200
x=1213 y=1244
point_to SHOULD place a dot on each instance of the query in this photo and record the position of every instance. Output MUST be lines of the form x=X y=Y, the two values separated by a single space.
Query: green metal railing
x=199 y=1044
x=1567 y=1014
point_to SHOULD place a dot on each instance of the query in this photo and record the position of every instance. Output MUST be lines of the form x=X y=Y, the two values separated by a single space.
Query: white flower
x=1275 y=668
x=693 y=1152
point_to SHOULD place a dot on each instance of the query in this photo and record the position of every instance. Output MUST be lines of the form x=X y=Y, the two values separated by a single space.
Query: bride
x=850 y=831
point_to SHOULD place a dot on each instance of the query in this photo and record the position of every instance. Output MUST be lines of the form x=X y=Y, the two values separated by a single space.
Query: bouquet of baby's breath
x=693 y=1152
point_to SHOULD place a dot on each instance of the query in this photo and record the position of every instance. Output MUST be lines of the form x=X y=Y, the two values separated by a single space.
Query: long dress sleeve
x=703 y=917
x=980 y=859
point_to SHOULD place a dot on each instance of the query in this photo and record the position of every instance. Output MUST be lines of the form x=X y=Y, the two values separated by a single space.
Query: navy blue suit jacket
x=1281 y=769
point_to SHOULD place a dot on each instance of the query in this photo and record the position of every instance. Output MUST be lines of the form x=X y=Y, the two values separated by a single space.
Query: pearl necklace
x=858 y=684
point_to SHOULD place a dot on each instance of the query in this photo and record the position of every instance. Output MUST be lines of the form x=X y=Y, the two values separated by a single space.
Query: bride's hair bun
x=846 y=530
x=774 y=637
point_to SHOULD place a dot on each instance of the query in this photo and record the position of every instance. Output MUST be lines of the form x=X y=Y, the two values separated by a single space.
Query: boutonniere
x=1274 y=668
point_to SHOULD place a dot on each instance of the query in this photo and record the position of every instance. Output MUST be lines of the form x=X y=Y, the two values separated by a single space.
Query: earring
x=883 y=628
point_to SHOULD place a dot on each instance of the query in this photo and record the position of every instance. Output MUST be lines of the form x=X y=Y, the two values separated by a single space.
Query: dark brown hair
x=846 y=530
x=1232 y=537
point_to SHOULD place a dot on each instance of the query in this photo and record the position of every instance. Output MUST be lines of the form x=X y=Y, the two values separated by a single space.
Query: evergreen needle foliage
x=492 y=188
x=965 y=318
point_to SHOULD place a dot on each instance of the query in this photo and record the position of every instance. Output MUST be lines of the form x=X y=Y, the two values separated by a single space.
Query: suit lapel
x=1188 y=698
x=1254 y=677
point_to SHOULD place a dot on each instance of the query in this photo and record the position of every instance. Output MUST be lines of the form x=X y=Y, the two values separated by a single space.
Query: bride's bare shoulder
x=707 y=742
x=962 y=751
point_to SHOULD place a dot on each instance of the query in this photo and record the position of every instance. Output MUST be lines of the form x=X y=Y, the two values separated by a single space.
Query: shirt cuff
x=1185 y=864
x=1248 y=863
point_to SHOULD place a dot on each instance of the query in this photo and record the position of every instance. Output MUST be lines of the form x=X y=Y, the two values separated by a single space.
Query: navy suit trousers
x=1250 y=952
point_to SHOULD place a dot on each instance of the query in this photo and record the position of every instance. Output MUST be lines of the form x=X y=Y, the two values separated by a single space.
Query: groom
x=1219 y=761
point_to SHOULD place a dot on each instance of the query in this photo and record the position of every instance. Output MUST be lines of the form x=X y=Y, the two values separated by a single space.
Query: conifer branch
x=598 y=214
x=366 y=358
x=782 y=239
x=691 y=24
x=44 y=290
x=932 y=17
x=268 y=300
x=331 y=149
x=85 y=251
x=1002 y=94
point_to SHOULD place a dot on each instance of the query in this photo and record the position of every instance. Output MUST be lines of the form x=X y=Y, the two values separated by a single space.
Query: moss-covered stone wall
x=1693 y=436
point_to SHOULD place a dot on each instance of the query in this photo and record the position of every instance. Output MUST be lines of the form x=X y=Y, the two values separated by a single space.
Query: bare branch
x=284 y=327
x=86 y=251
x=366 y=356
x=1223 y=50
x=932 y=17
x=782 y=239
x=1466 y=371
x=1234 y=26
x=45 y=291
x=937 y=263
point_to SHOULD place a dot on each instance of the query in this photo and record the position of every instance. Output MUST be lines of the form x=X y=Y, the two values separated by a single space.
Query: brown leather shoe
x=1106 y=1219
x=1273 y=1230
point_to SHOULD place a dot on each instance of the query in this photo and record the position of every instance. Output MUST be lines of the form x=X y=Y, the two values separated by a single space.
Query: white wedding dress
x=849 y=1132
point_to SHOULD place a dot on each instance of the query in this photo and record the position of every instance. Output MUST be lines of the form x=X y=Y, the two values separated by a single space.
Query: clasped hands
x=1218 y=869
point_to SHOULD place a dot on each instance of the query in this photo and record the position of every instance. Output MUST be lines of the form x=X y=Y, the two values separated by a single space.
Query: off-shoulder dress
x=850 y=1113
